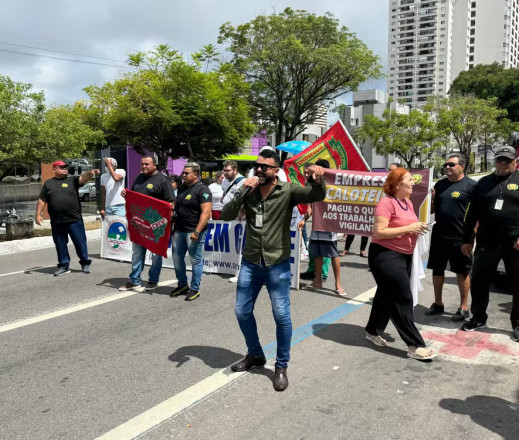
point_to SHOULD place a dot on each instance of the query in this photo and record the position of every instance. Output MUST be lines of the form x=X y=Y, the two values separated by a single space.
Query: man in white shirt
x=232 y=182
x=112 y=183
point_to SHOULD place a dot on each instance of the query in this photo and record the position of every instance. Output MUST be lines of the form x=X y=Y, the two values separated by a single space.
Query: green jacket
x=271 y=242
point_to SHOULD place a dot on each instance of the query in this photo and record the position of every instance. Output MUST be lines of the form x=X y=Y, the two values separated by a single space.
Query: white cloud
x=115 y=28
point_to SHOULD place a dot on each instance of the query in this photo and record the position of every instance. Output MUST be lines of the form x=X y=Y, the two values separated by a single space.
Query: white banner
x=223 y=246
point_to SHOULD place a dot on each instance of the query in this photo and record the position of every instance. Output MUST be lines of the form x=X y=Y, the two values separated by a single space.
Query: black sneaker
x=435 y=309
x=61 y=271
x=248 y=362
x=150 y=287
x=515 y=334
x=192 y=295
x=179 y=291
x=460 y=315
x=472 y=325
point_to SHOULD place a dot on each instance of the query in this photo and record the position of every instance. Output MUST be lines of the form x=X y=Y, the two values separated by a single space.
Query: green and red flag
x=336 y=146
x=149 y=222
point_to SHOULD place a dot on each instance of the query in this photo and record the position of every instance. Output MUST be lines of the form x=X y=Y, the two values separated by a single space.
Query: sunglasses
x=449 y=164
x=263 y=166
x=62 y=167
x=185 y=173
x=504 y=159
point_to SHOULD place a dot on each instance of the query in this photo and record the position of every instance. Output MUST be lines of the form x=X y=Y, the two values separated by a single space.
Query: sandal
x=340 y=292
x=421 y=354
x=363 y=254
x=343 y=253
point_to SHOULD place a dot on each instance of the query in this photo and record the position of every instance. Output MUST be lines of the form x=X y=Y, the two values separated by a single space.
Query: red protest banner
x=148 y=222
x=351 y=197
x=336 y=146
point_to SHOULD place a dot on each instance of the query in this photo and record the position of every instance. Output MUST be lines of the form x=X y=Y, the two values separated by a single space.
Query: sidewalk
x=32 y=244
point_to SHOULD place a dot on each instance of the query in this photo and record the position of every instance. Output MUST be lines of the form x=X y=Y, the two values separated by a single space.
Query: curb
x=33 y=244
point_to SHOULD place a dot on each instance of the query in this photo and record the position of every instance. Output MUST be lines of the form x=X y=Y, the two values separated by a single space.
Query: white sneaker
x=233 y=280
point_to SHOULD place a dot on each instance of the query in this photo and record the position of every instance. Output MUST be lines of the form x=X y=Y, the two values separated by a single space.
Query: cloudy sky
x=103 y=32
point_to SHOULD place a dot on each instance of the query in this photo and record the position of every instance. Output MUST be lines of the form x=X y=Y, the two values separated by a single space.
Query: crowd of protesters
x=487 y=210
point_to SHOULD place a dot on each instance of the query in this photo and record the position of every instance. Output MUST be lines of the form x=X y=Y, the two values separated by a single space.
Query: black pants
x=486 y=260
x=393 y=299
x=349 y=241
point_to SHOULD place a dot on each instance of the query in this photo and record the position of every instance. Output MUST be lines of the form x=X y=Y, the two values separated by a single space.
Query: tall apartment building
x=370 y=102
x=432 y=41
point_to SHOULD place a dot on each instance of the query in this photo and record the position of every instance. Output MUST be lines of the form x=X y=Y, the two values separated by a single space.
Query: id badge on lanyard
x=499 y=205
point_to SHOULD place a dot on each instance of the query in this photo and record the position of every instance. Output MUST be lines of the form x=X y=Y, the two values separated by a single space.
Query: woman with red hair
x=390 y=258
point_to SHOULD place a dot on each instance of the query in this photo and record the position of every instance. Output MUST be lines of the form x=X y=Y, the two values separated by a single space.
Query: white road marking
x=160 y=413
x=26 y=270
x=83 y=306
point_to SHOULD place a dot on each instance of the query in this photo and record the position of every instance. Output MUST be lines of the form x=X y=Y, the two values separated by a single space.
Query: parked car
x=83 y=163
x=87 y=192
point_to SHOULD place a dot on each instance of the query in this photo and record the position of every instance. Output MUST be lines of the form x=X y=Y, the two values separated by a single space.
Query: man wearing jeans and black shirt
x=450 y=200
x=62 y=198
x=153 y=184
x=193 y=207
x=495 y=205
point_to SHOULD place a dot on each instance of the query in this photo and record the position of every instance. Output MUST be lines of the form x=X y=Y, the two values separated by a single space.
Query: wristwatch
x=196 y=233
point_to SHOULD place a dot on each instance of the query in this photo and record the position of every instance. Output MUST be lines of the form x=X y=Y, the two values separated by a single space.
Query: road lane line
x=164 y=411
x=77 y=308
x=26 y=270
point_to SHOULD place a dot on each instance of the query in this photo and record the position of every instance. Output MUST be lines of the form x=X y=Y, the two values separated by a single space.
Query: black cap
x=508 y=152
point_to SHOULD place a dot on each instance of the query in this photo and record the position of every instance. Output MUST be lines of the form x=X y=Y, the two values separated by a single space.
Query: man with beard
x=450 y=199
x=495 y=205
x=153 y=184
x=268 y=205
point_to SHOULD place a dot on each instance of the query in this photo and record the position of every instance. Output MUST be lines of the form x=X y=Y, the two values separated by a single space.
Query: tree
x=30 y=133
x=173 y=108
x=63 y=133
x=487 y=81
x=408 y=136
x=296 y=62
x=466 y=119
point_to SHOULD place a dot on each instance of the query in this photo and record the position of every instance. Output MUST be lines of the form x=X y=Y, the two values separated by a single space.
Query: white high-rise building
x=432 y=41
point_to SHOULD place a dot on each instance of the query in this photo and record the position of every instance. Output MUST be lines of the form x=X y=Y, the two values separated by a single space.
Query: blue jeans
x=181 y=243
x=60 y=234
x=119 y=210
x=277 y=279
x=138 y=257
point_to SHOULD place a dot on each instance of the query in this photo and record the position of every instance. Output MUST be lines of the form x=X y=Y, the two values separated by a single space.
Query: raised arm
x=86 y=176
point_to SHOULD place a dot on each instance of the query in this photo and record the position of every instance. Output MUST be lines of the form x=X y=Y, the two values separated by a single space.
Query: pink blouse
x=390 y=208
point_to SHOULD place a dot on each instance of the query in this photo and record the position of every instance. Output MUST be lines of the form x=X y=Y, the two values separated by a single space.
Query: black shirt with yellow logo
x=188 y=205
x=451 y=200
x=498 y=221
x=62 y=198
x=157 y=186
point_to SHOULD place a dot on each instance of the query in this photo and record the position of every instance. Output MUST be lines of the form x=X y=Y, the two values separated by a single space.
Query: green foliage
x=487 y=81
x=296 y=62
x=468 y=120
x=411 y=136
x=173 y=108
x=30 y=133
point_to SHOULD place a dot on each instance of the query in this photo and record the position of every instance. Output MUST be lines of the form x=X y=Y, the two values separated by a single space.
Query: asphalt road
x=94 y=363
